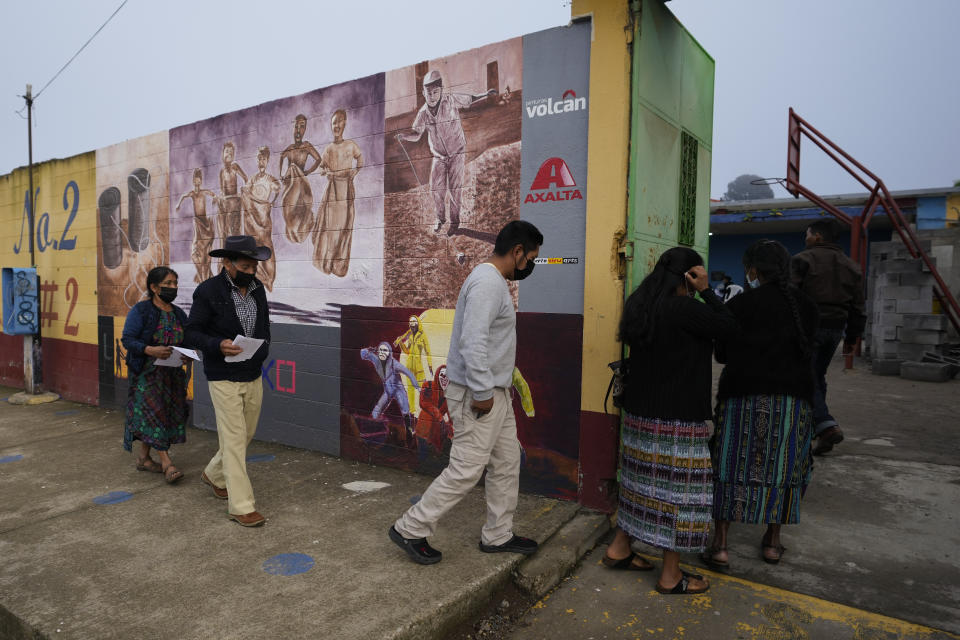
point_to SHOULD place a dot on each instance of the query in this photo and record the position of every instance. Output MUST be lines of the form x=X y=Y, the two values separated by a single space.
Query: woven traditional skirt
x=666 y=483
x=762 y=459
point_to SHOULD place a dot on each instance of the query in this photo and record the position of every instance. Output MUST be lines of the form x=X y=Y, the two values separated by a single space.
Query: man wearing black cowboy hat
x=231 y=303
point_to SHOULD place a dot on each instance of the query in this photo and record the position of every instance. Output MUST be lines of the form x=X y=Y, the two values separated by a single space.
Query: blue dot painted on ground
x=14 y=458
x=288 y=564
x=261 y=457
x=414 y=499
x=114 y=497
x=66 y=413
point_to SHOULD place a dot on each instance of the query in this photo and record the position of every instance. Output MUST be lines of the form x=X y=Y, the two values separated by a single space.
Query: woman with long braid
x=761 y=446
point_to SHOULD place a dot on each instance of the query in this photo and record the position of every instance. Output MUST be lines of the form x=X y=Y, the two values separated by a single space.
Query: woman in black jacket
x=157 y=399
x=761 y=447
x=666 y=483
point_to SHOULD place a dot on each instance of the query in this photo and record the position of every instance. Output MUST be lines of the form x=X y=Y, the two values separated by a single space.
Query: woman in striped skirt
x=666 y=484
x=761 y=447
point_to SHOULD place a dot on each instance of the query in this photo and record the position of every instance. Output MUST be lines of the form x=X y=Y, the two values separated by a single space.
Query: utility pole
x=32 y=371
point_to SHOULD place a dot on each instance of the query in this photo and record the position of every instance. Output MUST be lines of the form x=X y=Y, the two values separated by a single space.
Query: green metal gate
x=671 y=141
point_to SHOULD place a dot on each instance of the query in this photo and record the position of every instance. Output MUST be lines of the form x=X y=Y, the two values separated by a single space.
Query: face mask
x=243 y=279
x=167 y=294
x=520 y=274
x=754 y=283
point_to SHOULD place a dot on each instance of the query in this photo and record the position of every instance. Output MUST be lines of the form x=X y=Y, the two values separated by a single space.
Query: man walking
x=480 y=368
x=835 y=283
x=229 y=304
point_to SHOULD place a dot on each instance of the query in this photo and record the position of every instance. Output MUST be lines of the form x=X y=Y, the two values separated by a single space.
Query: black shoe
x=827 y=439
x=417 y=548
x=516 y=544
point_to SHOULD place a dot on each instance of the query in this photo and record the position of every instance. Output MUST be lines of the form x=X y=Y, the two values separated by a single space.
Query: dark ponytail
x=640 y=312
x=771 y=260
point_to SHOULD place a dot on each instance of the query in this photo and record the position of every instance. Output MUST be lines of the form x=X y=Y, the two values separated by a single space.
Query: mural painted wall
x=377 y=197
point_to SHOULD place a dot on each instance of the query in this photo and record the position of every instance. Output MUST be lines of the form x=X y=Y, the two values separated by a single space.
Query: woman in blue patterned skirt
x=666 y=483
x=157 y=399
x=761 y=446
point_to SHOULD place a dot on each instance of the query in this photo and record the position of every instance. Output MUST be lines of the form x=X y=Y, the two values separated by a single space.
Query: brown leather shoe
x=217 y=491
x=252 y=519
x=827 y=439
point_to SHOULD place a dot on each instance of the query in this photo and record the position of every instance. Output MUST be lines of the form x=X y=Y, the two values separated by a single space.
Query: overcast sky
x=877 y=76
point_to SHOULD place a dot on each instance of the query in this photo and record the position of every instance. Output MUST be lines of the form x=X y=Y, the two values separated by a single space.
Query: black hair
x=158 y=275
x=517 y=232
x=771 y=260
x=640 y=312
x=829 y=228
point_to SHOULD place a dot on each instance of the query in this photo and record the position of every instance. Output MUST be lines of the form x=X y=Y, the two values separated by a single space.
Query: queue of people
x=681 y=485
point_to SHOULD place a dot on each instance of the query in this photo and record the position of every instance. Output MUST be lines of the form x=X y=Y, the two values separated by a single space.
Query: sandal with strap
x=149 y=464
x=683 y=587
x=627 y=564
x=709 y=557
x=171 y=474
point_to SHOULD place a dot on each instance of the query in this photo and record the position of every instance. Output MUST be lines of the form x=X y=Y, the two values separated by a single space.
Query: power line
x=81 y=49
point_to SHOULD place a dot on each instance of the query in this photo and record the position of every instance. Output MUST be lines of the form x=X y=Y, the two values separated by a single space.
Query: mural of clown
x=389 y=369
x=415 y=344
x=433 y=423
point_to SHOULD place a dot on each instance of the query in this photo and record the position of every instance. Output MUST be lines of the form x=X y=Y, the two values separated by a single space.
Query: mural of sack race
x=133 y=233
x=393 y=378
x=302 y=175
x=65 y=245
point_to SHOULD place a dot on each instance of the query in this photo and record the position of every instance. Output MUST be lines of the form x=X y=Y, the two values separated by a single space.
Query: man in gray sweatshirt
x=483 y=348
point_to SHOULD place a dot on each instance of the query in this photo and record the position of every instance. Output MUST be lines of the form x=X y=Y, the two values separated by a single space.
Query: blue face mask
x=754 y=283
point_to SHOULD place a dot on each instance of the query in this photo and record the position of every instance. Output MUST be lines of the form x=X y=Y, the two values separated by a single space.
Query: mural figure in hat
x=439 y=117
x=231 y=304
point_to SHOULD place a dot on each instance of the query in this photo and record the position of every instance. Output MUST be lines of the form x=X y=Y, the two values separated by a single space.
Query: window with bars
x=688 y=190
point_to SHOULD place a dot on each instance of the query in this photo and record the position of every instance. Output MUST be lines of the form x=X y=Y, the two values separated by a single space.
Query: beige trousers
x=237 y=406
x=489 y=442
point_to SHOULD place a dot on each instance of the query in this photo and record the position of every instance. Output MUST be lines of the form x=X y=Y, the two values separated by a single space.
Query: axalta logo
x=540 y=107
x=554 y=182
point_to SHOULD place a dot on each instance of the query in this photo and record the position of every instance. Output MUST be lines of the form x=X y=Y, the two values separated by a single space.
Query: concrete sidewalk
x=92 y=548
x=876 y=555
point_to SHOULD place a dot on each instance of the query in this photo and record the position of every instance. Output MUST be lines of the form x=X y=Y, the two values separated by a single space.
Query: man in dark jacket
x=835 y=283
x=230 y=304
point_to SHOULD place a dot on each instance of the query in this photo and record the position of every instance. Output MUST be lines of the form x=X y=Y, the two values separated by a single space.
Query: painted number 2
x=48 y=315
x=71 y=202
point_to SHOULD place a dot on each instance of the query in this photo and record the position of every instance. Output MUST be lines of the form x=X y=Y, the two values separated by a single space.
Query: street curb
x=561 y=553
x=13 y=628
x=536 y=575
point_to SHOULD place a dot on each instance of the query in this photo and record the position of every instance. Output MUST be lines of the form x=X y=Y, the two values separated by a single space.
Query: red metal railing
x=879 y=196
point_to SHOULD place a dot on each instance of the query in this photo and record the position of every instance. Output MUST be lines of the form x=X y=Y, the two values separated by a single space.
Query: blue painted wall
x=931 y=213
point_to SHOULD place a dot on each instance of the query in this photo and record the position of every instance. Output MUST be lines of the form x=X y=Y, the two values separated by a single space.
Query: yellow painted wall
x=66 y=242
x=609 y=135
x=953 y=211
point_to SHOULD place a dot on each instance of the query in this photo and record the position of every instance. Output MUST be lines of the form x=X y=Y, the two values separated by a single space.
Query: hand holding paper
x=176 y=357
x=249 y=347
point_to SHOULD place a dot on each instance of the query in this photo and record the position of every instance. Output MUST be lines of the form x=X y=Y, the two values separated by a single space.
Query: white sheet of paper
x=249 y=346
x=175 y=358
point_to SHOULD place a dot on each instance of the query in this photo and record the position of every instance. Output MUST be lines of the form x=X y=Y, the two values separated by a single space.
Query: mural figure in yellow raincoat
x=414 y=343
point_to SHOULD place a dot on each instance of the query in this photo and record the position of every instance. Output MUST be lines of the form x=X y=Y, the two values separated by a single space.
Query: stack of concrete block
x=903 y=319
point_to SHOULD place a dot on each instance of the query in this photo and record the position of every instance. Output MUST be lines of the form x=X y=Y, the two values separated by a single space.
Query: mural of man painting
x=203 y=232
x=298 y=196
x=389 y=369
x=257 y=197
x=333 y=234
x=415 y=344
x=440 y=118
x=229 y=200
x=480 y=366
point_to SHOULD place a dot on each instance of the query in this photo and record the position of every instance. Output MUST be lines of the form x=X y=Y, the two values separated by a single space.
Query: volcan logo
x=555 y=179
x=540 y=107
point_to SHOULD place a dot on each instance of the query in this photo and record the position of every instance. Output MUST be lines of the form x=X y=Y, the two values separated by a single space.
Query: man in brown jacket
x=835 y=283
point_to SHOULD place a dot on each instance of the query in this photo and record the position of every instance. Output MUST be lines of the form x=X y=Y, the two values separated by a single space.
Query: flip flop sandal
x=681 y=588
x=171 y=474
x=779 y=548
x=625 y=564
x=708 y=558
x=149 y=464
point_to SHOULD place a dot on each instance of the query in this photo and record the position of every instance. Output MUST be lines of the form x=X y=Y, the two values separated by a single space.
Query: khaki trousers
x=491 y=443
x=237 y=407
